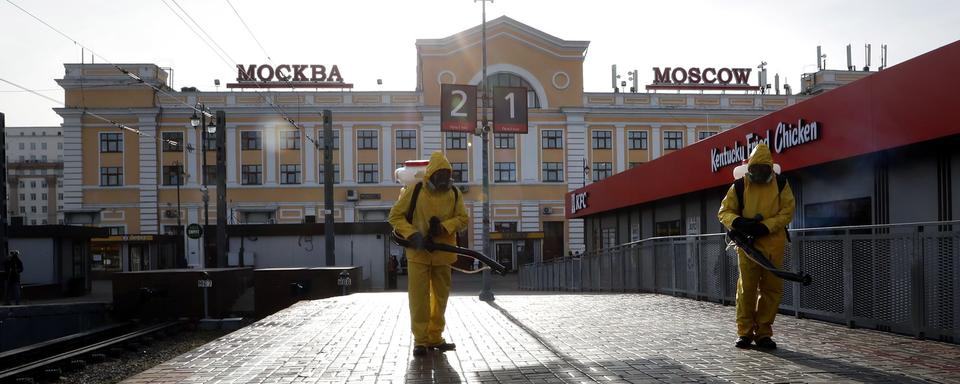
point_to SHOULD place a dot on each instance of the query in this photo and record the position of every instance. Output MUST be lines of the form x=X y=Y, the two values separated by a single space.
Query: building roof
x=51 y=231
x=909 y=103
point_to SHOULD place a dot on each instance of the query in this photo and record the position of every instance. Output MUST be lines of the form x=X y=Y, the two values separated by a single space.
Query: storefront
x=880 y=150
x=128 y=253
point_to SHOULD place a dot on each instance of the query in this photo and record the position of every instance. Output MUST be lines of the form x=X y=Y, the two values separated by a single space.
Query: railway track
x=46 y=361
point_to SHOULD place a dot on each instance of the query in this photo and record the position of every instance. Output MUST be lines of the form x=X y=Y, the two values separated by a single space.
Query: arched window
x=506 y=79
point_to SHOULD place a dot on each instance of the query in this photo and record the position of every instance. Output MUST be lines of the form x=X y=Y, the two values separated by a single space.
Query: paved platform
x=634 y=338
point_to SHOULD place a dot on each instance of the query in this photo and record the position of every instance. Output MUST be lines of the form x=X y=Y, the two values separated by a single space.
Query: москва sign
x=288 y=76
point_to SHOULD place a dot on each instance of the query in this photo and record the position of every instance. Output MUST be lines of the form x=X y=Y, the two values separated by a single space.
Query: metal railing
x=902 y=278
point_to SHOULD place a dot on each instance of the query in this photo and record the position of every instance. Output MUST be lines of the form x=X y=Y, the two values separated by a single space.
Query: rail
x=902 y=278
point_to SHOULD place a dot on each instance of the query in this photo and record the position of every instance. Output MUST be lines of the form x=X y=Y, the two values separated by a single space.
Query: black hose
x=744 y=243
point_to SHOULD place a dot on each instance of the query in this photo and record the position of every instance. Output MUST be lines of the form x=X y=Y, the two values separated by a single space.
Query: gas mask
x=440 y=181
x=760 y=173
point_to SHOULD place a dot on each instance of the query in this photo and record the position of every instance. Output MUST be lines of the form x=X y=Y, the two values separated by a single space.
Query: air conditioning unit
x=352 y=195
x=170 y=213
x=547 y=210
x=464 y=188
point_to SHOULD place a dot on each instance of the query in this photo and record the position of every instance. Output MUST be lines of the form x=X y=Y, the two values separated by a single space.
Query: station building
x=880 y=150
x=128 y=183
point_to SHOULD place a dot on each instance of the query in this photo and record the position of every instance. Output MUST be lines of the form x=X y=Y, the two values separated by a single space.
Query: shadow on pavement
x=432 y=368
x=840 y=368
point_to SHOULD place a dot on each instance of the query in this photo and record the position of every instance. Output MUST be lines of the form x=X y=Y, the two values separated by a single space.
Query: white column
x=430 y=133
x=620 y=145
x=530 y=216
x=348 y=150
x=387 y=155
x=233 y=158
x=529 y=160
x=691 y=134
x=476 y=162
x=148 y=174
x=72 y=162
x=310 y=170
x=576 y=147
x=269 y=133
x=655 y=142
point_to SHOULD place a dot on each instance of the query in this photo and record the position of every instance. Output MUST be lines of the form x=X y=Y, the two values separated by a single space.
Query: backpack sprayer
x=411 y=175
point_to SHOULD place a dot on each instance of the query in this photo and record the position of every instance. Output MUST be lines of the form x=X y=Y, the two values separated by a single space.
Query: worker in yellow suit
x=767 y=194
x=438 y=214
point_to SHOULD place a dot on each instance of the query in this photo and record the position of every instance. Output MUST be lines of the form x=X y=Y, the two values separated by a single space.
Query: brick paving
x=619 y=338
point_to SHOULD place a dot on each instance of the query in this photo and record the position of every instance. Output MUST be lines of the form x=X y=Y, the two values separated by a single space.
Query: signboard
x=578 y=201
x=194 y=231
x=785 y=136
x=510 y=109
x=288 y=76
x=695 y=78
x=458 y=108
x=204 y=283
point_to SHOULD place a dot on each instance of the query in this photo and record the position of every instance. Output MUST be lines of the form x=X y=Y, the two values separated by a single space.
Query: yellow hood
x=437 y=162
x=761 y=155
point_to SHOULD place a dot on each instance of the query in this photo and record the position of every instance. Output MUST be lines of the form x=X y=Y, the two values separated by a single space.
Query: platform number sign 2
x=510 y=109
x=458 y=108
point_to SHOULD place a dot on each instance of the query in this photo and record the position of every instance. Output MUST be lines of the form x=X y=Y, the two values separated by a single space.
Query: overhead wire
x=264 y=50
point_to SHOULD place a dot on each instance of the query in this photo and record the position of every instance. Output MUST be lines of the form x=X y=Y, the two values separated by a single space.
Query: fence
x=902 y=278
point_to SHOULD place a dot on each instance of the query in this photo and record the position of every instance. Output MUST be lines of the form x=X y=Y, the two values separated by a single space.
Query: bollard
x=344 y=281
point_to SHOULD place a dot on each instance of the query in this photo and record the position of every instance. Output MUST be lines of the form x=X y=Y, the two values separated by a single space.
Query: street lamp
x=211 y=128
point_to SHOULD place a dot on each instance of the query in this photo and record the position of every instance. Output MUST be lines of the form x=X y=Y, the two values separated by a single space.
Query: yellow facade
x=365 y=187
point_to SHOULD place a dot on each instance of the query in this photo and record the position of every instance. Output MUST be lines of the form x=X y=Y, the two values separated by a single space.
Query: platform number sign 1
x=510 y=109
x=458 y=108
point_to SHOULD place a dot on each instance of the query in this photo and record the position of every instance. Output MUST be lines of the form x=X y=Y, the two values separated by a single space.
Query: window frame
x=290 y=143
x=171 y=176
x=607 y=141
x=167 y=147
x=460 y=175
x=644 y=140
x=406 y=142
x=667 y=140
x=368 y=173
x=246 y=172
x=336 y=173
x=551 y=142
x=111 y=142
x=368 y=142
x=547 y=170
x=450 y=138
x=607 y=170
x=246 y=141
x=505 y=141
x=288 y=170
x=511 y=172
x=105 y=172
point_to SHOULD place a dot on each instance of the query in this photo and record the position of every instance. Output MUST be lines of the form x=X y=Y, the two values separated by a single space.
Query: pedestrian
x=392 y=266
x=760 y=208
x=14 y=267
x=431 y=211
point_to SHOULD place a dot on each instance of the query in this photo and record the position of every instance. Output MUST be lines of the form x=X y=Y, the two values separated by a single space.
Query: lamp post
x=210 y=128
x=486 y=294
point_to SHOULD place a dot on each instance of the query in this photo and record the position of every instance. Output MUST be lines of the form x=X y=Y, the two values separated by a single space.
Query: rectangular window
x=634 y=164
x=43 y=196
x=33 y=197
x=602 y=139
x=43 y=145
x=23 y=209
x=552 y=139
x=460 y=172
x=23 y=196
x=672 y=140
x=111 y=176
x=21 y=184
x=33 y=146
x=456 y=140
x=250 y=140
x=43 y=183
x=60 y=146
x=111 y=142
x=505 y=226
x=406 y=139
x=114 y=231
x=290 y=174
x=33 y=184
x=176 y=137
x=210 y=140
x=59 y=196
x=553 y=172
x=251 y=175
x=505 y=141
x=505 y=172
x=602 y=171
x=22 y=146
x=367 y=173
x=336 y=174
x=705 y=134
x=172 y=175
x=290 y=140
x=367 y=139
x=43 y=209
x=33 y=209
x=336 y=139
x=210 y=175
x=637 y=139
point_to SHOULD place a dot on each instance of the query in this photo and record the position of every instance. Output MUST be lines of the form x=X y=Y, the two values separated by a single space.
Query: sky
x=375 y=39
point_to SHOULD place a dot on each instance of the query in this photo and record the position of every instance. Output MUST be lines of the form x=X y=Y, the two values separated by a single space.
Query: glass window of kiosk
x=105 y=257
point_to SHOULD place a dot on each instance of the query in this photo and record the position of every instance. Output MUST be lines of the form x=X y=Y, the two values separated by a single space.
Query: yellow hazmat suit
x=428 y=285
x=755 y=314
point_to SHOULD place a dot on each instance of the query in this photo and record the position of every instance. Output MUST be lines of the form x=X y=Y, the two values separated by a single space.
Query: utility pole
x=3 y=187
x=221 y=261
x=486 y=294
x=328 y=187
